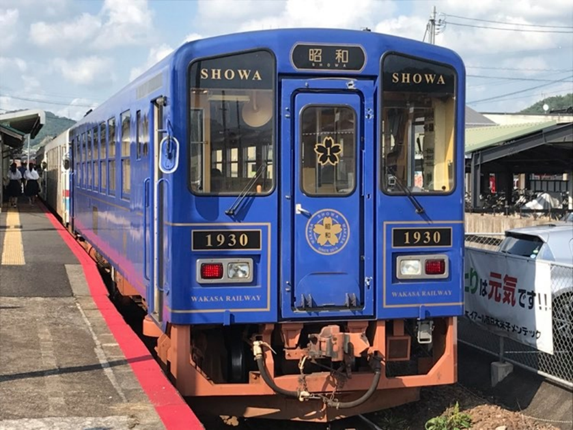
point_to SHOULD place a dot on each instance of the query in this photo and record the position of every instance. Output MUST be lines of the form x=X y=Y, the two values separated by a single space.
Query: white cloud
x=11 y=64
x=129 y=23
x=77 y=109
x=31 y=84
x=289 y=14
x=8 y=22
x=119 y=23
x=65 y=34
x=88 y=71
x=156 y=54
x=412 y=27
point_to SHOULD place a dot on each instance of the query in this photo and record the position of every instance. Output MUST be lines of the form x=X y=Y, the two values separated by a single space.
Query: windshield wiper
x=248 y=188
x=406 y=190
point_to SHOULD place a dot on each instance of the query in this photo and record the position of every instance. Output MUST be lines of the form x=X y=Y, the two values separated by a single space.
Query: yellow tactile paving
x=13 y=248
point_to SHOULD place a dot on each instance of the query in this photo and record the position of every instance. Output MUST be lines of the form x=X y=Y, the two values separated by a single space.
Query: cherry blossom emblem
x=328 y=152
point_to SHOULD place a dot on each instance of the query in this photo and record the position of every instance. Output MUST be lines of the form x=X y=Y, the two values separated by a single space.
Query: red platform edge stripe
x=170 y=406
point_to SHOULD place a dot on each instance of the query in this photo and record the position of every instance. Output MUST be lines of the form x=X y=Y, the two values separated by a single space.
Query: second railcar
x=55 y=181
x=288 y=204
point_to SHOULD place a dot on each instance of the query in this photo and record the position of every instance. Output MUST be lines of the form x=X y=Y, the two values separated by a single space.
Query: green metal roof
x=481 y=137
x=11 y=136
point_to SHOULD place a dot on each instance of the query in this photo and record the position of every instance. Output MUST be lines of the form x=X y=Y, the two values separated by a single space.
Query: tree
x=556 y=103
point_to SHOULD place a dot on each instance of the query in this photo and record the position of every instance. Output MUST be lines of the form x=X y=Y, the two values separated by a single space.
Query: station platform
x=68 y=360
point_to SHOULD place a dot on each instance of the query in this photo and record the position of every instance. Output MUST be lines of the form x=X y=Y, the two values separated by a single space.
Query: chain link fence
x=557 y=367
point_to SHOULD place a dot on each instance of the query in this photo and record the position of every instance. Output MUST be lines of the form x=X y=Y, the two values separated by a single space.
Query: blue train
x=287 y=205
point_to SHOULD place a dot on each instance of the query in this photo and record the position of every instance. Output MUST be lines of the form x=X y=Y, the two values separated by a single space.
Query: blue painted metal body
x=121 y=227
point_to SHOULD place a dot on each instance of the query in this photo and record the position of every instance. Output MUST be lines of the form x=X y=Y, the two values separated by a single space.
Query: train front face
x=317 y=222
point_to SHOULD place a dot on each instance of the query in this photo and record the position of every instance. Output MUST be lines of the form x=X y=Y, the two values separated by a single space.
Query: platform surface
x=60 y=366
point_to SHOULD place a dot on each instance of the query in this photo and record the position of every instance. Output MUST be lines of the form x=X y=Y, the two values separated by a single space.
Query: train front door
x=329 y=273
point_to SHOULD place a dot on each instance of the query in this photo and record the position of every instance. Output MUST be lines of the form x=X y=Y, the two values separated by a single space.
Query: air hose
x=347 y=405
x=258 y=352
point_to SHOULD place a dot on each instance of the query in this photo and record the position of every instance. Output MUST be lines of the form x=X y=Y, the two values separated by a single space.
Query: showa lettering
x=502 y=289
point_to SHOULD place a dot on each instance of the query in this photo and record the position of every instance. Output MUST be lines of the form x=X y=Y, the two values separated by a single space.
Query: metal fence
x=557 y=367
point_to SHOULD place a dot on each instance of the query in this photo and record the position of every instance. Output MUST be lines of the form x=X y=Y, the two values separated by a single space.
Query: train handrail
x=176 y=150
x=156 y=235
x=145 y=206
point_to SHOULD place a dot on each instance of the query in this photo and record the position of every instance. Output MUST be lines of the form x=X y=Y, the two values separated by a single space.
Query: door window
x=328 y=152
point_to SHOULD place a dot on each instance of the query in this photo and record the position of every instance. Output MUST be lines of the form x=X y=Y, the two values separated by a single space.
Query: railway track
x=359 y=422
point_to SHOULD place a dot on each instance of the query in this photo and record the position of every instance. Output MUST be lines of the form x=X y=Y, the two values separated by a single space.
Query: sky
x=67 y=56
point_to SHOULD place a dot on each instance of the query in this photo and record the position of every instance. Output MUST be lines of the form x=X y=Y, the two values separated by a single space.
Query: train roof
x=282 y=41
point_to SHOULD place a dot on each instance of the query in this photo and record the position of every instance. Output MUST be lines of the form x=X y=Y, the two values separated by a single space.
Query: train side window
x=138 y=133
x=103 y=156
x=84 y=161
x=111 y=155
x=78 y=160
x=418 y=125
x=328 y=153
x=89 y=159
x=95 y=164
x=231 y=126
x=125 y=154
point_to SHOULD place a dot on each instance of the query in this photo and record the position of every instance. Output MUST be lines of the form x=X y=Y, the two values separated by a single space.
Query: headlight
x=410 y=267
x=238 y=270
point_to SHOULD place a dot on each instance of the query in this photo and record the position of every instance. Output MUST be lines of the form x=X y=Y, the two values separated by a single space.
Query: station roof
x=21 y=123
x=11 y=136
x=480 y=138
x=545 y=148
x=27 y=121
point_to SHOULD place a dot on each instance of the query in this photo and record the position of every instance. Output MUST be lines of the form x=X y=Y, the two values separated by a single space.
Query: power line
x=510 y=23
x=508 y=29
x=543 y=94
x=60 y=96
x=510 y=79
x=519 y=69
x=520 y=91
x=45 y=102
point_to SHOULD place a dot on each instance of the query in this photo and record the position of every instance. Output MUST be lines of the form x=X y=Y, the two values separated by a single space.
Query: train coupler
x=336 y=345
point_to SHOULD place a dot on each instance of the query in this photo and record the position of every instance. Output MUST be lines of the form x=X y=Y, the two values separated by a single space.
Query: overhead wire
x=520 y=91
x=508 y=29
x=509 y=23
x=506 y=78
x=46 y=102
x=519 y=69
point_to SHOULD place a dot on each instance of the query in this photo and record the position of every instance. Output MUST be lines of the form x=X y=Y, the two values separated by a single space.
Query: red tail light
x=435 y=267
x=212 y=270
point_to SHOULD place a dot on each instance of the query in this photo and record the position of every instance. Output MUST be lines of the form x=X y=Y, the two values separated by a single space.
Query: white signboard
x=511 y=296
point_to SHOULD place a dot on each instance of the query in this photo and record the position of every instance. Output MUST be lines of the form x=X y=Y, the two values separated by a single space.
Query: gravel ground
x=437 y=401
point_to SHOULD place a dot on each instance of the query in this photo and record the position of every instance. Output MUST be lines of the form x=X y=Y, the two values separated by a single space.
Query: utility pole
x=432 y=27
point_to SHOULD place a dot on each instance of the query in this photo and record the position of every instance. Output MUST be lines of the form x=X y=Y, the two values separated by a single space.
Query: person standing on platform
x=23 y=167
x=32 y=187
x=14 y=184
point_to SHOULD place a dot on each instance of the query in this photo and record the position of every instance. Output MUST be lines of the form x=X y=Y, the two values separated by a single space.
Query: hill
x=54 y=125
x=557 y=103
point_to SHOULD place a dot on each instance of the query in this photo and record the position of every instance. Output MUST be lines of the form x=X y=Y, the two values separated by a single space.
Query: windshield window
x=525 y=246
x=418 y=115
x=231 y=133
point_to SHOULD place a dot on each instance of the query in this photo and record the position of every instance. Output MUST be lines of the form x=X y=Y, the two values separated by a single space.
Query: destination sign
x=328 y=57
x=407 y=74
x=224 y=240
x=421 y=237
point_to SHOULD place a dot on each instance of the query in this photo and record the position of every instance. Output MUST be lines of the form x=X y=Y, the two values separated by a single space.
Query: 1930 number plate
x=216 y=240
x=420 y=237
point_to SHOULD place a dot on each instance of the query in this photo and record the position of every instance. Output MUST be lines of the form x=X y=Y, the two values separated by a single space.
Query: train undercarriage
x=316 y=372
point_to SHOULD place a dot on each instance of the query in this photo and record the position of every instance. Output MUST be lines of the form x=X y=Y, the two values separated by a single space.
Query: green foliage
x=554 y=103
x=453 y=419
x=54 y=125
